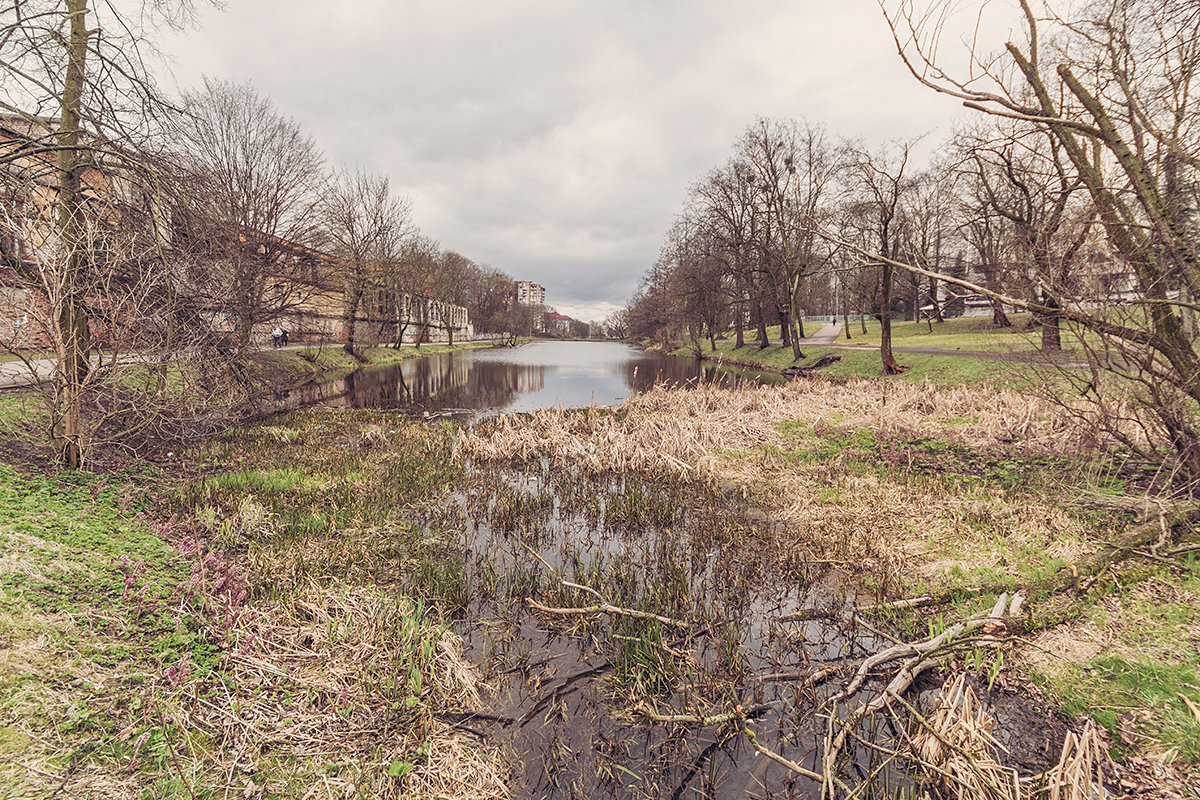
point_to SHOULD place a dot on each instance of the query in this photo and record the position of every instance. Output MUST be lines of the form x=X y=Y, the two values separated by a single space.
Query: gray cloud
x=555 y=139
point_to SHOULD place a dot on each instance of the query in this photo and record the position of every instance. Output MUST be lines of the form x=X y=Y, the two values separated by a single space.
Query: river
x=542 y=374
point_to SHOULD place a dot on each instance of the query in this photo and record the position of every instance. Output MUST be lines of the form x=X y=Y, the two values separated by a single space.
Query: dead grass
x=326 y=691
x=956 y=744
x=957 y=747
x=733 y=437
x=674 y=431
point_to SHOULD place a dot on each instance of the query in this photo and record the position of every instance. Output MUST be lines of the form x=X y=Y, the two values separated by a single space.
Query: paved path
x=14 y=374
x=18 y=373
x=825 y=337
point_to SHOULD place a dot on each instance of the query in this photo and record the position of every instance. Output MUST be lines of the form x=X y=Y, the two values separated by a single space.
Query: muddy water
x=535 y=375
x=568 y=689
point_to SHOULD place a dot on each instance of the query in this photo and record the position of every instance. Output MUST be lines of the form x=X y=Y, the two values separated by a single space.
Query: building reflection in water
x=538 y=375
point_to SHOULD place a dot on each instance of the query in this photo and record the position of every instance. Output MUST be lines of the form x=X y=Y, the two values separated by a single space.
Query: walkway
x=15 y=374
x=824 y=337
x=18 y=373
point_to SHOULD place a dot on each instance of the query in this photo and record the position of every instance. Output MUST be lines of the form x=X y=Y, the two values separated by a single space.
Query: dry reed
x=956 y=744
x=677 y=431
x=1078 y=773
x=733 y=437
x=305 y=682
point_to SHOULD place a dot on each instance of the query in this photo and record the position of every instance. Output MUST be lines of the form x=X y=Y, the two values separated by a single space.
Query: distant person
x=276 y=335
x=283 y=337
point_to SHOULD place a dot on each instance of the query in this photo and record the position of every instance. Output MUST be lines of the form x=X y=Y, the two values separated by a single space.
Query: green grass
x=96 y=604
x=30 y=355
x=21 y=410
x=966 y=333
x=940 y=370
x=1136 y=698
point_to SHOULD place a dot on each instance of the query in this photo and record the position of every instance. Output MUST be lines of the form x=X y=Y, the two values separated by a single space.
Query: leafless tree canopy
x=1073 y=196
x=245 y=206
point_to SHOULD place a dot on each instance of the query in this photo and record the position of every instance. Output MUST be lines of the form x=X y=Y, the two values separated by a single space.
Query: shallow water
x=542 y=374
x=566 y=688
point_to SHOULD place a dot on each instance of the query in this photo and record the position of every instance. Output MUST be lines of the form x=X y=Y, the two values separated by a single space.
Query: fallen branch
x=921 y=655
x=812 y=678
x=606 y=608
x=778 y=759
x=696 y=719
x=939 y=599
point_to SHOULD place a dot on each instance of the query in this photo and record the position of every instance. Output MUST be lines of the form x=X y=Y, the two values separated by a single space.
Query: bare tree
x=792 y=166
x=1118 y=104
x=364 y=227
x=880 y=178
x=82 y=109
x=723 y=206
x=616 y=326
x=245 y=208
x=1019 y=176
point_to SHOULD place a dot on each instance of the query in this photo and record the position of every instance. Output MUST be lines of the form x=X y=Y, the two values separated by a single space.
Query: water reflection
x=536 y=375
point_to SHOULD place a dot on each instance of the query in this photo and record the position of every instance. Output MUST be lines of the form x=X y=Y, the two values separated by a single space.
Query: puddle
x=567 y=688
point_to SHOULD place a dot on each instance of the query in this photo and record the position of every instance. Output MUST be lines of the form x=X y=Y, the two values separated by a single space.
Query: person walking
x=283 y=337
x=276 y=335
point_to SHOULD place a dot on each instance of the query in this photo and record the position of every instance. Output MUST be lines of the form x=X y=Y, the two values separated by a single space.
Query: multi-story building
x=529 y=293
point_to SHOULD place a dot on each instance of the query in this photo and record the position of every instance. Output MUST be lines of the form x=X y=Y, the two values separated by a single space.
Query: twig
x=606 y=608
x=696 y=719
x=810 y=678
x=778 y=759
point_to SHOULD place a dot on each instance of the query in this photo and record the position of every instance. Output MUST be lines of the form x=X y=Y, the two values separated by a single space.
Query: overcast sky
x=556 y=139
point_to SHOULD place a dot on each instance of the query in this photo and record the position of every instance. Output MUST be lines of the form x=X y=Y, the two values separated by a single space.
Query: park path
x=17 y=373
x=826 y=336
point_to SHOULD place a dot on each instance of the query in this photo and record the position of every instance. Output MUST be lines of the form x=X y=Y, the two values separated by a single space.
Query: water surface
x=536 y=375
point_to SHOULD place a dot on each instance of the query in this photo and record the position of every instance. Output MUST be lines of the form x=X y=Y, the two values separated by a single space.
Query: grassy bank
x=25 y=418
x=938 y=369
x=290 y=366
x=251 y=632
x=273 y=620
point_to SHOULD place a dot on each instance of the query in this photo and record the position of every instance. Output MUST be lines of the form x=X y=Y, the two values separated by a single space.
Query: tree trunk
x=350 y=318
x=890 y=367
x=1051 y=324
x=739 y=327
x=846 y=315
x=797 y=327
x=999 y=318
x=763 y=341
x=938 y=315
x=71 y=315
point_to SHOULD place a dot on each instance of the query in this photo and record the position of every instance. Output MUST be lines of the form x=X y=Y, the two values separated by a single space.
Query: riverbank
x=24 y=417
x=273 y=610
x=284 y=368
x=958 y=351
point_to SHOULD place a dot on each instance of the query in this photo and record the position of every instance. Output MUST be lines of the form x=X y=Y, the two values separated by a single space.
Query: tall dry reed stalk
x=678 y=431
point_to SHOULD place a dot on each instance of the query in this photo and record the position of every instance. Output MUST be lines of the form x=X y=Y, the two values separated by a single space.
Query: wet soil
x=569 y=690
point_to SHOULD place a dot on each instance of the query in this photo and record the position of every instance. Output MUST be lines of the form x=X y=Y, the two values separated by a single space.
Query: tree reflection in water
x=537 y=375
